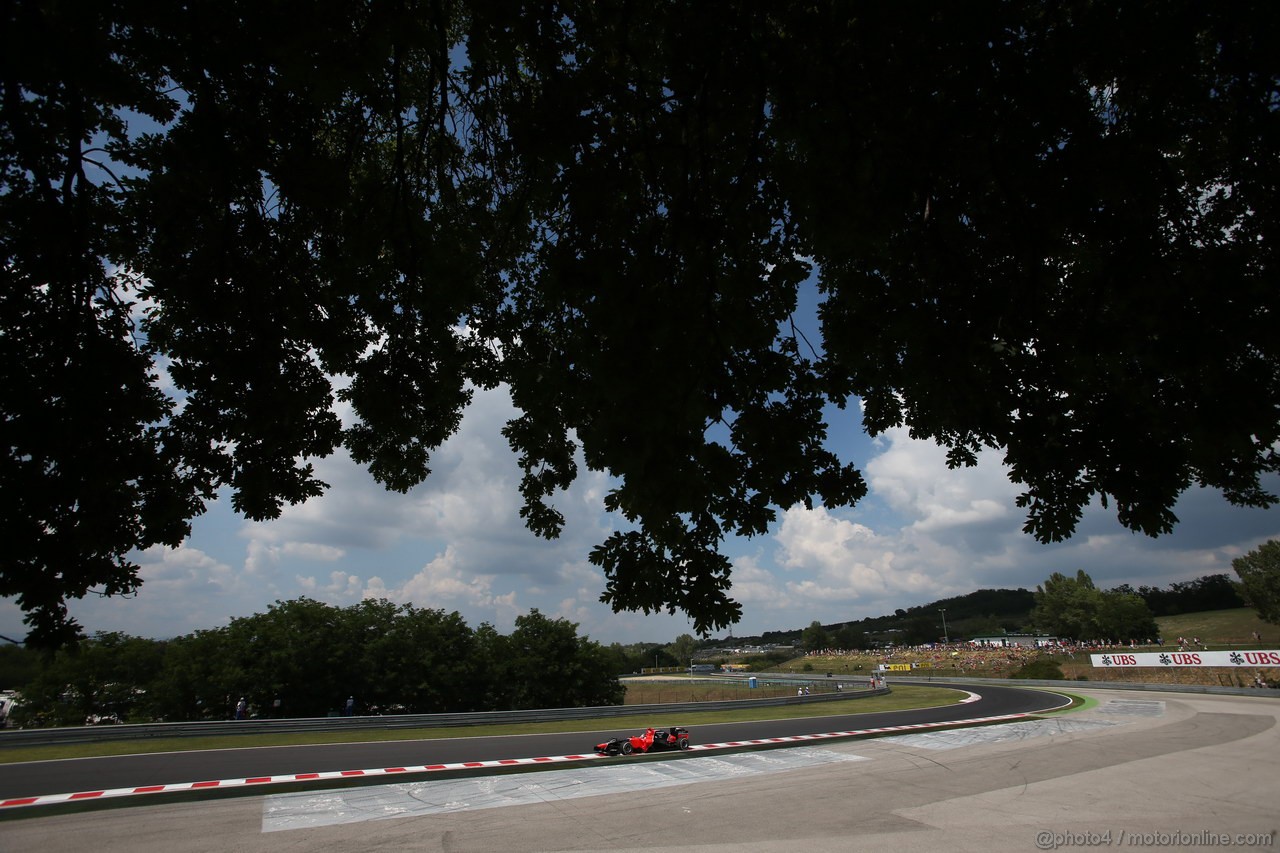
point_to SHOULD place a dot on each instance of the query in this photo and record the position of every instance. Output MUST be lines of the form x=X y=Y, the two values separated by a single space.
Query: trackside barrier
x=215 y=728
x=1096 y=685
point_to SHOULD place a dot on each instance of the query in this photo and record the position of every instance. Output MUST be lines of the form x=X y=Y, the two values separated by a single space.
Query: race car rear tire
x=625 y=749
x=683 y=743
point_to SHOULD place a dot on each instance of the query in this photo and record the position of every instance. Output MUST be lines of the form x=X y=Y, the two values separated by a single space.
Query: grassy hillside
x=1218 y=630
x=1221 y=629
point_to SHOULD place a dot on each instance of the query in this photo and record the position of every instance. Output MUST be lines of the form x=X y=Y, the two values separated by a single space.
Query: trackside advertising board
x=1171 y=659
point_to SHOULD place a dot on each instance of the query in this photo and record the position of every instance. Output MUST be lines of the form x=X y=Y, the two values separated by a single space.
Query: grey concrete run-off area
x=1155 y=771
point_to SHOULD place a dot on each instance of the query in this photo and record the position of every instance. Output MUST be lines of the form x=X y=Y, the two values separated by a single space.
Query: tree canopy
x=303 y=658
x=1044 y=228
x=1259 y=572
x=1073 y=608
x=815 y=638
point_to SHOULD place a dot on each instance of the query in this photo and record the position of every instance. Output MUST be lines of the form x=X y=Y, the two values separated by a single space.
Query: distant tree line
x=1211 y=592
x=997 y=611
x=304 y=658
x=986 y=611
x=634 y=657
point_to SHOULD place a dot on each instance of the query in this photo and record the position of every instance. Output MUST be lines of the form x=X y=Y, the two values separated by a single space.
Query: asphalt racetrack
x=1141 y=770
x=133 y=771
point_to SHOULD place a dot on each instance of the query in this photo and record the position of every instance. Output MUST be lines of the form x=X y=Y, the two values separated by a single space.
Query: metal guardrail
x=215 y=728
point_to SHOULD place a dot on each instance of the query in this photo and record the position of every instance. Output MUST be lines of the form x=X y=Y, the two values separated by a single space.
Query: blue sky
x=457 y=543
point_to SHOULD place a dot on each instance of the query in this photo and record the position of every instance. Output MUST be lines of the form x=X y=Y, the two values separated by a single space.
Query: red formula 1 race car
x=653 y=740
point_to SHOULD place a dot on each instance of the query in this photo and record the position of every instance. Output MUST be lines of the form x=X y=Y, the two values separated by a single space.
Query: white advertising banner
x=1250 y=658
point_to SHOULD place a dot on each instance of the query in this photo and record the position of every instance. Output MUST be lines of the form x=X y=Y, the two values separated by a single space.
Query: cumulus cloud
x=447 y=583
x=815 y=538
x=262 y=555
x=913 y=478
x=341 y=587
x=836 y=559
x=471 y=496
x=926 y=532
x=465 y=519
x=183 y=589
x=457 y=542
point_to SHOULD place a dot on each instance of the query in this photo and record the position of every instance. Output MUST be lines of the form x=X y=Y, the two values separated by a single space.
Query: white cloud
x=445 y=580
x=471 y=497
x=262 y=556
x=926 y=532
x=912 y=476
x=183 y=589
x=445 y=583
x=186 y=570
x=341 y=588
x=457 y=542
x=814 y=538
x=846 y=561
x=757 y=588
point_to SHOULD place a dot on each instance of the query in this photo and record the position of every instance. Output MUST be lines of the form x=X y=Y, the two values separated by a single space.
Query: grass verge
x=1078 y=703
